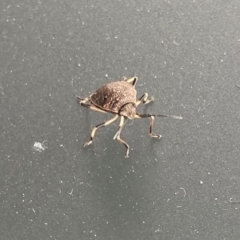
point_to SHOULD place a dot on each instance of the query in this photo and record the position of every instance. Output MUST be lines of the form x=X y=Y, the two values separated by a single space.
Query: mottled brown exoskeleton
x=119 y=98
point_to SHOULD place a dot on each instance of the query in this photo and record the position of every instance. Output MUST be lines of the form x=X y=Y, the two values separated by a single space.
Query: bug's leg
x=84 y=102
x=97 y=127
x=150 y=129
x=144 y=99
x=117 y=136
x=151 y=116
x=132 y=80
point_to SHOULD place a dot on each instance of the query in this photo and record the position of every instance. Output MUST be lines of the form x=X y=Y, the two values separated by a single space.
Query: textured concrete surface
x=185 y=186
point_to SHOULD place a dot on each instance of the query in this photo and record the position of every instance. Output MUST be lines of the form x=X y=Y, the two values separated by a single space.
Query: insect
x=120 y=99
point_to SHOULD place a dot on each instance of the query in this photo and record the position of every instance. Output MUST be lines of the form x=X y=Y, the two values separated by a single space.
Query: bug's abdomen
x=113 y=96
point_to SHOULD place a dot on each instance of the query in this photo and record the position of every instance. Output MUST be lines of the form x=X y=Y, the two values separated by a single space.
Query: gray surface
x=185 y=186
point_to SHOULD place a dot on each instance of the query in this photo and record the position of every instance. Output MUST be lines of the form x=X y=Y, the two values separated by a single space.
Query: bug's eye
x=105 y=98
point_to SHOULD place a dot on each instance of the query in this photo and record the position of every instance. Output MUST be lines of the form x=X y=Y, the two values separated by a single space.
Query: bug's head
x=128 y=110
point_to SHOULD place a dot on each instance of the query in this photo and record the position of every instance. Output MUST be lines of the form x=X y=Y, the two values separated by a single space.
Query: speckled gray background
x=186 y=186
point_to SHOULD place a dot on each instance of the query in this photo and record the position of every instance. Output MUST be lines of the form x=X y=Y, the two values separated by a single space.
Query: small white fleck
x=184 y=190
x=175 y=43
x=37 y=146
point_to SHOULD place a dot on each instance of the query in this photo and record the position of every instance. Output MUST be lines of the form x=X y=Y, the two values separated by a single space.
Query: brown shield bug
x=120 y=99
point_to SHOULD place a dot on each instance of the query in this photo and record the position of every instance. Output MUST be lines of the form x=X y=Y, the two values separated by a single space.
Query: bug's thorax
x=116 y=97
x=128 y=110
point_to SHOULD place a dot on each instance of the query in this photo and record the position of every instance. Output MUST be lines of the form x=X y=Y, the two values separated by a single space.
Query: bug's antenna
x=137 y=115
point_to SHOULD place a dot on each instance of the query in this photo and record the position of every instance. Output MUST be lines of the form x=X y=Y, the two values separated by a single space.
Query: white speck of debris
x=175 y=43
x=183 y=106
x=201 y=182
x=37 y=146
x=234 y=200
x=184 y=190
